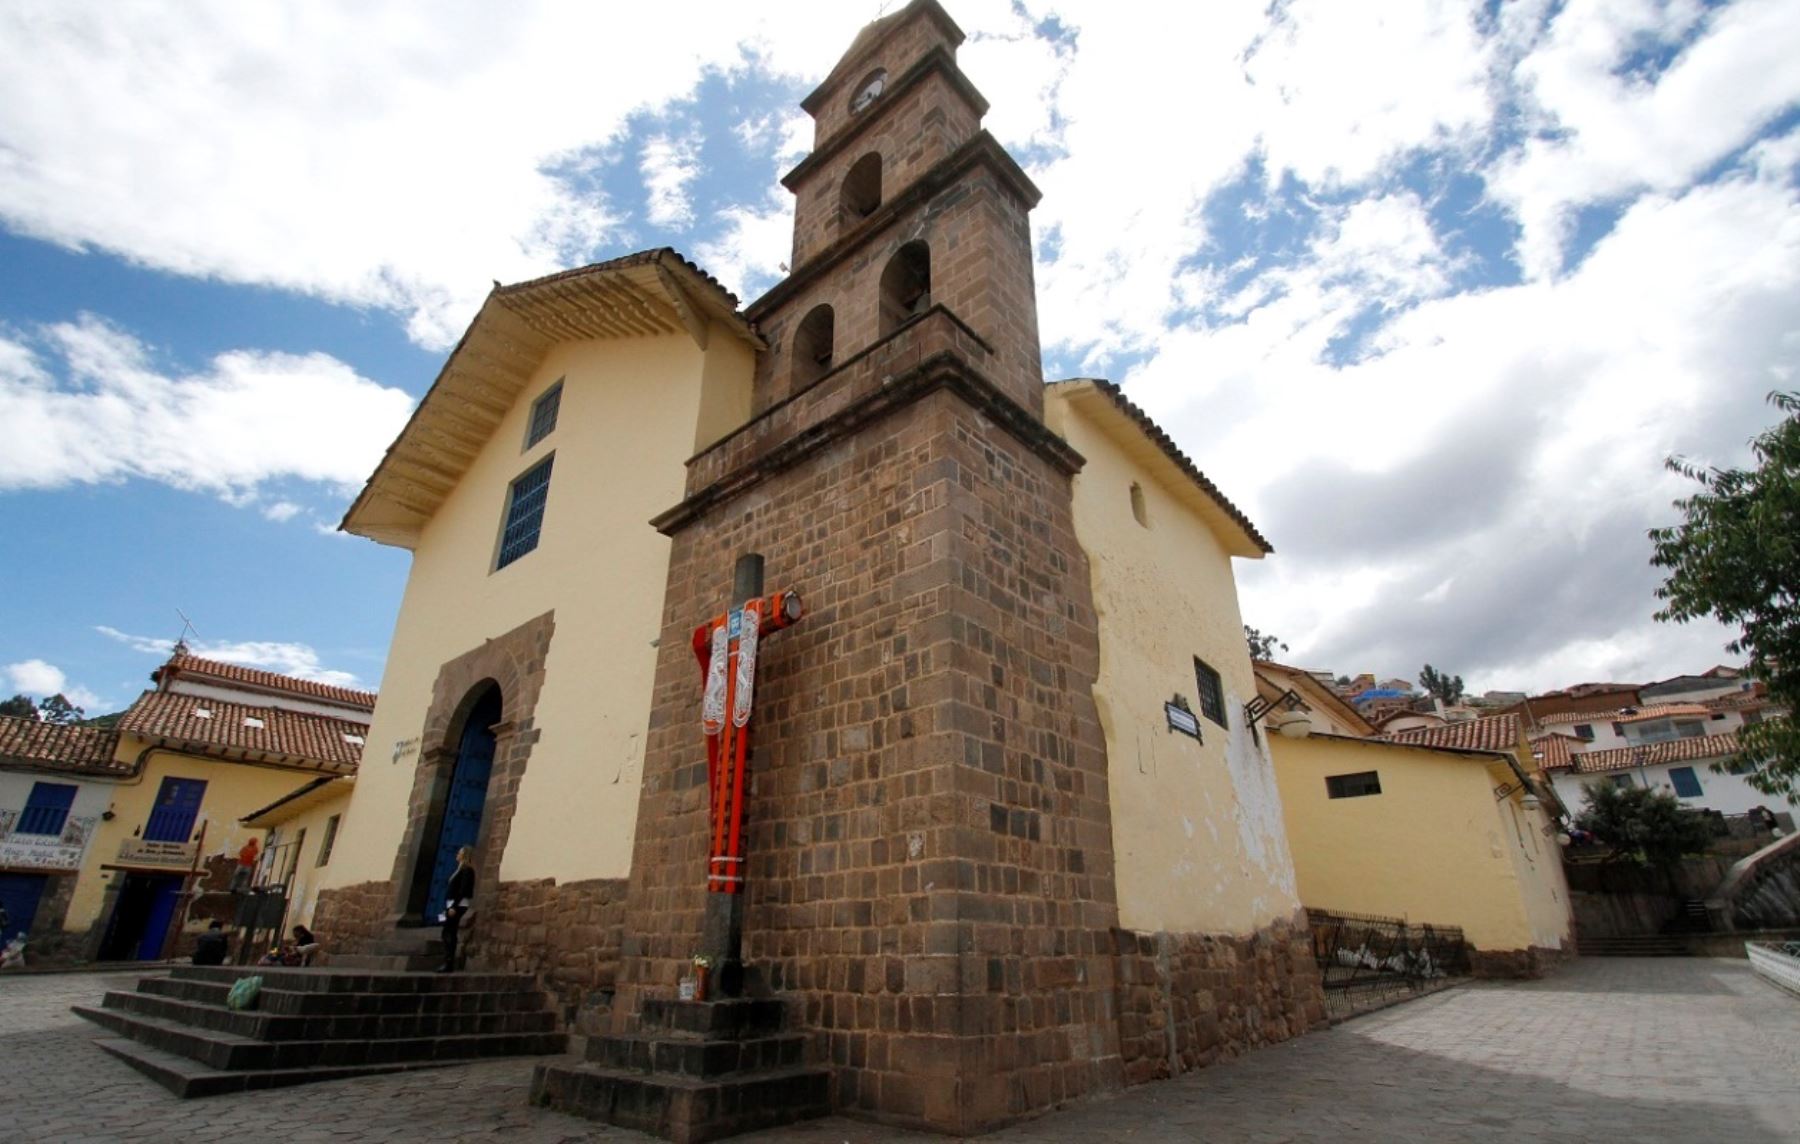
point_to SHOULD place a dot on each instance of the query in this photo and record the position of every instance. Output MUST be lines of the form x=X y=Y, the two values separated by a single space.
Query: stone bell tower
x=929 y=856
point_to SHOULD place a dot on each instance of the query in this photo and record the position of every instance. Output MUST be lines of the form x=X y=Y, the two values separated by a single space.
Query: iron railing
x=1366 y=959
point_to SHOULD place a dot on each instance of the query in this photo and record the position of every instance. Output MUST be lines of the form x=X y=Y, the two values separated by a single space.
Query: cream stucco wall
x=1197 y=826
x=1433 y=847
x=309 y=826
x=232 y=791
x=632 y=411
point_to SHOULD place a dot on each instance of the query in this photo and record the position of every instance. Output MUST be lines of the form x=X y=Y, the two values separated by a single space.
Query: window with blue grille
x=172 y=815
x=543 y=415
x=1687 y=784
x=525 y=513
x=47 y=808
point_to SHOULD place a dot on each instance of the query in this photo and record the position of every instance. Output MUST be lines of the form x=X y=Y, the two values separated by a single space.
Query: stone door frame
x=513 y=662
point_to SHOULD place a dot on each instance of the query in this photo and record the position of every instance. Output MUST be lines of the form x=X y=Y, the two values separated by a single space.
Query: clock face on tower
x=869 y=91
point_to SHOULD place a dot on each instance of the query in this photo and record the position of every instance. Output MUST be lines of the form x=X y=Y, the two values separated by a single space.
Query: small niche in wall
x=1139 y=512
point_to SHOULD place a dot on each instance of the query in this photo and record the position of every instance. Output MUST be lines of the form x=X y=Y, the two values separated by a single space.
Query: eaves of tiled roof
x=647 y=294
x=1489 y=733
x=1651 y=754
x=1553 y=752
x=270 y=735
x=1170 y=450
x=231 y=673
x=59 y=747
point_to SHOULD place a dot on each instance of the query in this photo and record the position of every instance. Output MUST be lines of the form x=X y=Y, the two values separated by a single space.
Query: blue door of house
x=177 y=805
x=467 y=799
x=19 y=894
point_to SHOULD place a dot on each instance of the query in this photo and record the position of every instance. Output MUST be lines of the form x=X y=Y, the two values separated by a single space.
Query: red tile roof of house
x=59 y=747
x=1488 y=733
x=1650 y=754
x=255 y=734
x=231 y=673
x=1554 y=752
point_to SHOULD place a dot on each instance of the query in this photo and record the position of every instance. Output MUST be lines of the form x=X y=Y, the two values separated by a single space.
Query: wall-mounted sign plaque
x=1182 y=720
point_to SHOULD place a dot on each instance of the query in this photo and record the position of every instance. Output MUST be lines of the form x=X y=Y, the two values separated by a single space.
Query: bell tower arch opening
x=905 y=286
x=814 y=346
x=861 y=193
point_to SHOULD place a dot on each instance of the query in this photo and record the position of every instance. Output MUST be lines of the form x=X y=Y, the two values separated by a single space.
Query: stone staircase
x=700 y=1070
x=407 y=951
x=318 y=1024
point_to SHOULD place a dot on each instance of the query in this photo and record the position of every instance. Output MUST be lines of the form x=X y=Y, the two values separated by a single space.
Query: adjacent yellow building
x=154 y=832
x=1438 y=826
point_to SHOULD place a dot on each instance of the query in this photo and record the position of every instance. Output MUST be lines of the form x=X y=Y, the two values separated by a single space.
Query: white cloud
x=668 y=167
x=1604 y=131
x=107 y=413
x=284 y=658
x=754 y=246
x=37 y=678
x=282 y=511
x=382 y=155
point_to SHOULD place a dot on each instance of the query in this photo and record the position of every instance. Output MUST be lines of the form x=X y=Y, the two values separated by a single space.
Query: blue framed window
x=47 y=808
x=543 y=414
x=525 y=513
x=1687 y=784
x=177 y=806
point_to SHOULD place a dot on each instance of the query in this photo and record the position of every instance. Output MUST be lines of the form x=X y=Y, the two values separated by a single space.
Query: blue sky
x=1429 y=289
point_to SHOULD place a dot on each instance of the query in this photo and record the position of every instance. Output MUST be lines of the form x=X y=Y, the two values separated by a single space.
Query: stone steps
x=186 y=1078
x=698 y=1070
x=312 y=1024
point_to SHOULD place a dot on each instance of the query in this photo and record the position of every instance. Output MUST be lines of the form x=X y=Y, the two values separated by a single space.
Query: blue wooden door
x=467 y=799
x=19 y=893
x=165 y=895
x=177 y=805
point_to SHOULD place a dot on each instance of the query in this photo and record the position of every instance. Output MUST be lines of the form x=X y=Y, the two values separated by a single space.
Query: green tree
x=1261 y=646
x=1643 y=826
x=1736 y=557
x=1449 y=688
x=19 y=707
x=57 y=709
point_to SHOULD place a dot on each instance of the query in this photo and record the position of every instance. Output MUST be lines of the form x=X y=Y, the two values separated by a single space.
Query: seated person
x=304 y=945
x=211 y=947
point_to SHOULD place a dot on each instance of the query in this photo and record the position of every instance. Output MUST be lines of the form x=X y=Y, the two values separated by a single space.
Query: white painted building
x=1682 y=767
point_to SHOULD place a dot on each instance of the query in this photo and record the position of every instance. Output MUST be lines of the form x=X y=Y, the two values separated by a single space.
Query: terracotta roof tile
x=60 y=747
x=1489 y=733
x=193 y=665
x=290 y=737
x=1554 y=752
x=1622 y=714
x=1650 y=754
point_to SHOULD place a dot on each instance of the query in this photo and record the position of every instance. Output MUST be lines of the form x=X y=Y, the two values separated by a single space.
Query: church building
x=1012 y=837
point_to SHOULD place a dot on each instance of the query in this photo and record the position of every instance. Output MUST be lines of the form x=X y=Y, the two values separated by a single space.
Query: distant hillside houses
x=1665 y=735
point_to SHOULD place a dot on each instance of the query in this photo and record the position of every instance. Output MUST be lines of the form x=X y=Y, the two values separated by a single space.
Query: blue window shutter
x=177 y=806
x=47 y=808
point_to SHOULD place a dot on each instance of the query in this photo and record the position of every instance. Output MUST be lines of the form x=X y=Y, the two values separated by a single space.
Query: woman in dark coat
x=460 y=903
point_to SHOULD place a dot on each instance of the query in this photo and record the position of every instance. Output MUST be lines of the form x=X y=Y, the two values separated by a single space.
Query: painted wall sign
x=1181 y=720
x=404 y=748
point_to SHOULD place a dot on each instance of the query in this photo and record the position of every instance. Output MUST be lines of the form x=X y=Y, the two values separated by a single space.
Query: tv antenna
x=187 y=629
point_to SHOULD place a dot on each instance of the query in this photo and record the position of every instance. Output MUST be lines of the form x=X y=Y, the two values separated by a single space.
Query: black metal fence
x=1368 y=960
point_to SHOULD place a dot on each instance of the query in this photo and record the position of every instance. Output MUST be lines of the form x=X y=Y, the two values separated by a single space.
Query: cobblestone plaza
x=1607 y=1049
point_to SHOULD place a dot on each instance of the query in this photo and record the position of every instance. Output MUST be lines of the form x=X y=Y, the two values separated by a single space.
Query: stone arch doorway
x=465 y=796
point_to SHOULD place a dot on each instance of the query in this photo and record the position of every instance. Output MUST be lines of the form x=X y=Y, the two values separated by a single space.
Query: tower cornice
x=861 y=50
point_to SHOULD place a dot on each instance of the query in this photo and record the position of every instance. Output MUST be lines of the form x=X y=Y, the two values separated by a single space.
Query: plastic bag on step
x=244 y=993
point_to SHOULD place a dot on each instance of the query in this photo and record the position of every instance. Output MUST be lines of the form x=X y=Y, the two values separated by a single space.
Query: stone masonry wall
x=1514 y=964
x=567 y=934
x=1186 y=1001
x=930 y=844
x=350 y=919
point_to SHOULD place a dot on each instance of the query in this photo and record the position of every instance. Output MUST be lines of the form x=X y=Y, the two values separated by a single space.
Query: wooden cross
x=726 y=647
